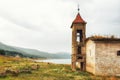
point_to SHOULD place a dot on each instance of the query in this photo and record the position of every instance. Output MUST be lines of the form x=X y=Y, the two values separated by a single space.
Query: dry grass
x=25 y=69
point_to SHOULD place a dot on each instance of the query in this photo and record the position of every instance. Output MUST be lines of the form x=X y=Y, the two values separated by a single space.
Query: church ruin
x=100 y=55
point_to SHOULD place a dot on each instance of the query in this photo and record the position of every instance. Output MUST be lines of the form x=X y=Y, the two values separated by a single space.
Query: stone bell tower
x=78 y=43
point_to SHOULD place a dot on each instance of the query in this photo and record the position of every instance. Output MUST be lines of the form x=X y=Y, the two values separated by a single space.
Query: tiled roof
x=78 y=19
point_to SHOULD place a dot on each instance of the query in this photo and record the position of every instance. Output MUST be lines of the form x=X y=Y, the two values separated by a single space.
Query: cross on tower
x=78 y=8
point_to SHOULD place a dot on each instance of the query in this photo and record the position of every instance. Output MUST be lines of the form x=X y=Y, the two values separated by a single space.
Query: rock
x=26 y=71
x=15 y=72
x=12 y=72
x=35 y=67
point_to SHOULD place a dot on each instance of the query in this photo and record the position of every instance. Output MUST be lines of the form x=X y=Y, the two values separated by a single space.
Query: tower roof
x=79 y=19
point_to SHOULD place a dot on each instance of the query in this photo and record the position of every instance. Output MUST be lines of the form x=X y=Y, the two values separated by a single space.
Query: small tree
x=2 y=52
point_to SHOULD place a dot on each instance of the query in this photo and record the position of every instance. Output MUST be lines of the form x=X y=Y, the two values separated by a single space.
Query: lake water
x=56 y=61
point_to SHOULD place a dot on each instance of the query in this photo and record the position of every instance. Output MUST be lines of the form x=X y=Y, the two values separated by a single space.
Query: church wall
x=107 y=62
x=90 y=56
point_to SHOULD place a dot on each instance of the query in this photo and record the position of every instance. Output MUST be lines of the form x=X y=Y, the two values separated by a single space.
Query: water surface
x=56 y=61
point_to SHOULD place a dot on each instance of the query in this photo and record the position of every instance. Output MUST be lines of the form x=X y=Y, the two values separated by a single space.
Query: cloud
x=45 y=24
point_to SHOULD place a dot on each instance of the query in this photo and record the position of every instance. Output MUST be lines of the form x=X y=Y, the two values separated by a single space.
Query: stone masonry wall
x=106 y=60
x=90 y=56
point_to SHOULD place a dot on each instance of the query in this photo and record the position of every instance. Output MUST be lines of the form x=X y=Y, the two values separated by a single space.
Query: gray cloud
x=45 y=24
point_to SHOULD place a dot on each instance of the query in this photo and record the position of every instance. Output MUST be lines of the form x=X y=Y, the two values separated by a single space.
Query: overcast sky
x=45 y=24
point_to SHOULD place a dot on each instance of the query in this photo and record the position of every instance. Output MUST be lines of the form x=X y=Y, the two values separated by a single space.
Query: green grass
x=45 y=72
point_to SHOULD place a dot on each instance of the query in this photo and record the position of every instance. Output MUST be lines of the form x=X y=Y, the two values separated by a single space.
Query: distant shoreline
x=55 y=61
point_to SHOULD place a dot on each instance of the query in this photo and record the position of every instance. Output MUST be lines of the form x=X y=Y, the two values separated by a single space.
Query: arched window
x=79 y=35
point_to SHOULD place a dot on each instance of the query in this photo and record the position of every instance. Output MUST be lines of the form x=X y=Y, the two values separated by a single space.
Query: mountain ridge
x=31 y=53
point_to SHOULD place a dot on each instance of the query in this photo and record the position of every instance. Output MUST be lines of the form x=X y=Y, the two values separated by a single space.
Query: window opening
x=118 y=53
x=79 y=36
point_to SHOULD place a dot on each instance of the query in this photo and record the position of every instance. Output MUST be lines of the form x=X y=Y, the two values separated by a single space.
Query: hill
x=31 y=53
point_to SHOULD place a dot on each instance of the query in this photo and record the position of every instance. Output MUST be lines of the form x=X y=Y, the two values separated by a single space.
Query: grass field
x=26 y=69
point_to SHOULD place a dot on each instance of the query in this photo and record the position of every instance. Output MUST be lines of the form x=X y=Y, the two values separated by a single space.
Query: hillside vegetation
x=31 y=53
x=12 y=68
